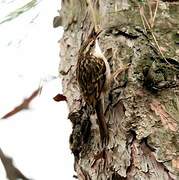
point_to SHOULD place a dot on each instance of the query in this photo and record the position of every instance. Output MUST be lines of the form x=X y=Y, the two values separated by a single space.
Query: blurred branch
x=12 y=172
x=20 y=11
x=23 y=105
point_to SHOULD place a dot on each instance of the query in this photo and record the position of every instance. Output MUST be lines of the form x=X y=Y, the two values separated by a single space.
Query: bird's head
x=89 y=45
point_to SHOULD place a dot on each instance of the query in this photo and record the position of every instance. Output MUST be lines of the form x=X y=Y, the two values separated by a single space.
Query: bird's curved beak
x=94 y=34
x=91 y=38
x=98 y=32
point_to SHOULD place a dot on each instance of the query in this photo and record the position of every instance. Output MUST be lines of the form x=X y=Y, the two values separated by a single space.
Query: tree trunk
x=142 y=107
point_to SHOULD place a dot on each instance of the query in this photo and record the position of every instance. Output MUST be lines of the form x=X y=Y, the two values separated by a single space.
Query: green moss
x=173 y=11
x=155 y=73
x=175 y=37
x=172 y=107
x=141 y=1
x=175 y=141
x=143 y=66
x=164 y=141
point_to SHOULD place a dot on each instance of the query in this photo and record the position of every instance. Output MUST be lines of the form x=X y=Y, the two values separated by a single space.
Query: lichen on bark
x=142 y=107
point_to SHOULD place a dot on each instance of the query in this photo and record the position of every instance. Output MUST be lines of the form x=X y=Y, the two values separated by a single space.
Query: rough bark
x=142 y=108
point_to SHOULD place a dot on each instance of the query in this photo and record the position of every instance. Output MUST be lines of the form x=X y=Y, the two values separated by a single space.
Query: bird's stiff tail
x=103 y=129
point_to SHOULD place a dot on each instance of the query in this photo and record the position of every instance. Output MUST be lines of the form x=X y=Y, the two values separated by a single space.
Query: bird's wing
x=91 y=77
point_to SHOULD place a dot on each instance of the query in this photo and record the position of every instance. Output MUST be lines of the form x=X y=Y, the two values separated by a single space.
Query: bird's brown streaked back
x=91 y=77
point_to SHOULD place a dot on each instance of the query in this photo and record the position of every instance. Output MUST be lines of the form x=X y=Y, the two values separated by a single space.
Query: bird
x=93 y=74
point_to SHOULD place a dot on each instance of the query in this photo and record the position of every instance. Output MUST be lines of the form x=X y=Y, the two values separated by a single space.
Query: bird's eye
x=92 y=45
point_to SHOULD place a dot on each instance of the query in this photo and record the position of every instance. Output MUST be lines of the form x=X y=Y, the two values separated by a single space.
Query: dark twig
x=23 y=105
x=12 y=172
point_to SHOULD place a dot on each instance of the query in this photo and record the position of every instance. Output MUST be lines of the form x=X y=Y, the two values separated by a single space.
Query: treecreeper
x=93 y=76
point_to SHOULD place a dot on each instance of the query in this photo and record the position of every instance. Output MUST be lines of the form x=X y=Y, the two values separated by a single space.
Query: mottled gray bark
x=142 y=108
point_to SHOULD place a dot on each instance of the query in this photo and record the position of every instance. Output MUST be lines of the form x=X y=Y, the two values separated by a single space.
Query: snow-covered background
x=37 y=139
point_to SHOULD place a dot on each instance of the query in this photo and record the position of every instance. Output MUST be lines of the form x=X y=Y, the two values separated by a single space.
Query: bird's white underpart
x=98 y=53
